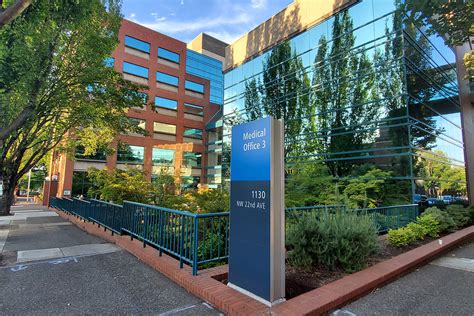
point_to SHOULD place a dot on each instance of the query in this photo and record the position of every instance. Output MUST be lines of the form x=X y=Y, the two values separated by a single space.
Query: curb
x=316 y=302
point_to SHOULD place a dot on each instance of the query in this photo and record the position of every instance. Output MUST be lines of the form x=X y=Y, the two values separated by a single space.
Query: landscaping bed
x=325 y=249
x=299 y=280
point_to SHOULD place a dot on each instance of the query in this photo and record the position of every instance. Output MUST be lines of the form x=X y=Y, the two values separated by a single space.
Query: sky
x=226 y=20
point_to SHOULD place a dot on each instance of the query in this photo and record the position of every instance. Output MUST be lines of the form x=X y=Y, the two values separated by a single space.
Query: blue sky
x=185 y=19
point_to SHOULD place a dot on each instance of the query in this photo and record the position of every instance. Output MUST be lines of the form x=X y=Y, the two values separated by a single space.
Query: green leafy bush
x=471 y=213
x=401 y=237
x=417 y=229
x=459 y=214
x=430 y=224
x=337 y=240
x=446 y=223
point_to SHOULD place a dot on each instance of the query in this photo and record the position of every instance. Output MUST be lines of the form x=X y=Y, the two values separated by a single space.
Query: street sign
x=257 y=219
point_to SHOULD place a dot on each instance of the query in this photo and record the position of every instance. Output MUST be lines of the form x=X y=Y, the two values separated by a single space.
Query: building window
x=166 y=103
x=80 y=183
x=165 y=78
x=194 y=86
x=190 y=182
x=130 y=154
x=135 y=70
x=109 y=62
x=192 y=160
x=98 y=155
x=163 y=157
x=164 y=128
x=137 y=44
x=137 y=122
x=193 y=133
x=194 y=109
x=168 y=55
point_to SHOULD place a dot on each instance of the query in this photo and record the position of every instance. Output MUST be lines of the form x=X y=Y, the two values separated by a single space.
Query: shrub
x=430 y=224
x=459 y=214
x=471 y=213
x=338 y=240
x=446 y=223
x=401 y=237
x=418 y=230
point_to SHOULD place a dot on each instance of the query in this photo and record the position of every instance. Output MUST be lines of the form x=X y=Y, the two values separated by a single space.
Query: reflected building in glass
x=369 y=101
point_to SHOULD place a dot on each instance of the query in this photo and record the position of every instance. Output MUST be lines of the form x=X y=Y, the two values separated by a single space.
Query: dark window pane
x=163 y=157
x=169 y=55
x=192 y=160
x=135 y=70
x=137 y=44
x=193 y=109
x=193 y=132
x=168 y=79
x=166 y=103
x=130 y=154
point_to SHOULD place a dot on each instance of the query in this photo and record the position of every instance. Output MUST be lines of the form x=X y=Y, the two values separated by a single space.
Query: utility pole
x=28 y=189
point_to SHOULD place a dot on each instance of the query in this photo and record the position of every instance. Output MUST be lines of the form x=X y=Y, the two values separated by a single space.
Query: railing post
x=196 y=244
x=181 y=243
x=145 y=223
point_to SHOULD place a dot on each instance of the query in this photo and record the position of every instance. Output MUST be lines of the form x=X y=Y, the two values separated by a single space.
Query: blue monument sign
x=256 y=257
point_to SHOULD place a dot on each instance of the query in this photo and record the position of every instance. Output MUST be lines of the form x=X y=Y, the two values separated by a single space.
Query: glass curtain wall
x=370 y=109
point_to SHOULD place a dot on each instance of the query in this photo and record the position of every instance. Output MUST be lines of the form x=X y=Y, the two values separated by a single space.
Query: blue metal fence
x=201 y=240
x=195 y=239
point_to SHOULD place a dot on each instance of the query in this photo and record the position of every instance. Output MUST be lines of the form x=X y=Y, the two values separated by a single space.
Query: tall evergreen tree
x=252 y=102
x=285 y=92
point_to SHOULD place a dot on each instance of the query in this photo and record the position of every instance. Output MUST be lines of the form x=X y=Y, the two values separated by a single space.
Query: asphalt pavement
x=443 y=287
x=48 y=266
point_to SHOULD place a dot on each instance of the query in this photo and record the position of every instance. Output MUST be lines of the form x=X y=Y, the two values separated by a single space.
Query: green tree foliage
x=343 y=84
x=285 y=92
x=120 y=185
x=53 y=81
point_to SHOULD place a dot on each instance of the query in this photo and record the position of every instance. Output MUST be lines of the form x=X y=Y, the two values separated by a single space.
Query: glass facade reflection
x=208 y=68
x=370 y=107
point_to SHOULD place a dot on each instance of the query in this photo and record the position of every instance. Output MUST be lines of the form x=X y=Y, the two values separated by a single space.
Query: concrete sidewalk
x=48 y=266
x=443 y=287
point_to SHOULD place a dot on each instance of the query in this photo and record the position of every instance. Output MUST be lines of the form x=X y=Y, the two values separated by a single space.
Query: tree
x=54 y=80
x=343 y=84
x=284 y=93
x=120 y=185
x=252 y=102
x=9 y=12
x=454 y=20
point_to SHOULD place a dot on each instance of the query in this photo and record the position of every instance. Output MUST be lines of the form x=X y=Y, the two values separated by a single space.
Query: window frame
x=135 y=65
x=190 y=82
x=166 y=107
x=162 y=49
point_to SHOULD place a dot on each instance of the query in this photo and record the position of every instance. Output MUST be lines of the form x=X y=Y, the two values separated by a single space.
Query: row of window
x=145 y=48
x=135 y=154
x=165 y=128
x=162 y=77
x=173 y=105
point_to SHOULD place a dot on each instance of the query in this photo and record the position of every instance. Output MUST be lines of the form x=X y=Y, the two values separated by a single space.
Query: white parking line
x=464 y=264
x=3 y=238
x=54 y=253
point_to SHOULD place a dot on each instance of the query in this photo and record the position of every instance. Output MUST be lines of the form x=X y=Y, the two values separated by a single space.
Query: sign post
x=257 y=212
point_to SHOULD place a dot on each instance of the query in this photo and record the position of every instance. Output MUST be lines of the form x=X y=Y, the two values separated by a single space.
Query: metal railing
x=196 y=239
x=390 y=217
x=201 y=240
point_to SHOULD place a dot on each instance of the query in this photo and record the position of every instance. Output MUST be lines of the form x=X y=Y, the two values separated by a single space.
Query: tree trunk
x=7 y=199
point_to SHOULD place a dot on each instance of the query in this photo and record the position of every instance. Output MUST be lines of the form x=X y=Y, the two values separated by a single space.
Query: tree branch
x=10 y=13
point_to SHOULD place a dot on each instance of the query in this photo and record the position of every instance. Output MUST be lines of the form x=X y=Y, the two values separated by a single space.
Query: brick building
x=186 y=88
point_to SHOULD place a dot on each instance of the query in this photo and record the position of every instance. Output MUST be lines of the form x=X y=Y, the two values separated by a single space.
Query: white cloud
x=199 y=24
x=258 y=4
x=227 y=37
x=132 y=15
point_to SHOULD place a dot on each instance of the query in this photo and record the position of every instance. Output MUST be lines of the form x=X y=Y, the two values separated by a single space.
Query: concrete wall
x=297 y=17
